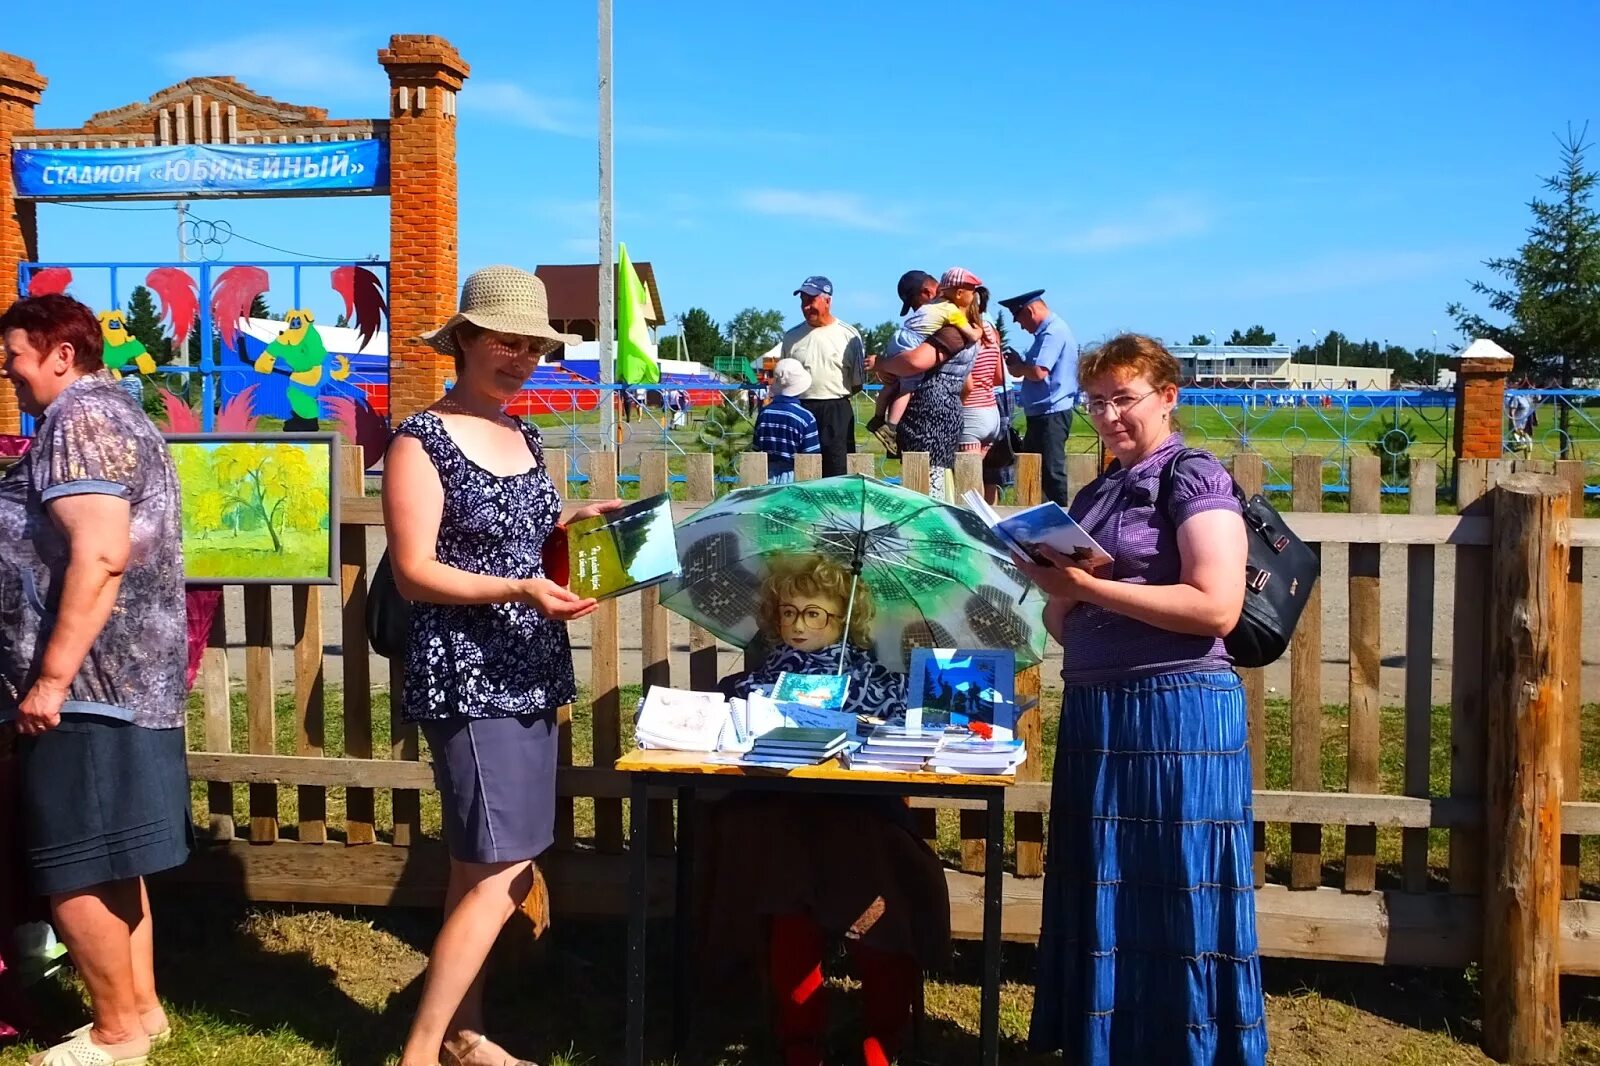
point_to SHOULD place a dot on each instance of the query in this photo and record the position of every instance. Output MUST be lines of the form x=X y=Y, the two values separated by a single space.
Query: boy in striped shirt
x=785 y=428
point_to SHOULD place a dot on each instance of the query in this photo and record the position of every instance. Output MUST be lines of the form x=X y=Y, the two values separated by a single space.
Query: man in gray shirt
x=832 y=352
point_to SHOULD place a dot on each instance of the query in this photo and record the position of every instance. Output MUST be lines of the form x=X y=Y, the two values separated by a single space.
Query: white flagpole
x=607 y=331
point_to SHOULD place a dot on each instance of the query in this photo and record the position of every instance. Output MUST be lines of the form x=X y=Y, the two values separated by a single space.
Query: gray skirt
x=497 y=785
x=102 y=800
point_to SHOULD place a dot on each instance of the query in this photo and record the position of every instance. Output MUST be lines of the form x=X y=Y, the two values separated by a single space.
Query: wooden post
x=1467 y=678
x=968 y=473
x=566 y=812
x=308 y=707
x=1029 y=825
x=1249 y=474
x=260 y=694
x=654 y=648
x=1522 y=811
x=1572 y=471
x=360 y=805
x=1361 y=737
x=605 y=668
x=1305 y=696
x=703 y=666
x=1419 y=671
x=219 y=722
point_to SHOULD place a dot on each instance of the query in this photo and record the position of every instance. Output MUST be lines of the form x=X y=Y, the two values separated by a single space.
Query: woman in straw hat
x=468 y=505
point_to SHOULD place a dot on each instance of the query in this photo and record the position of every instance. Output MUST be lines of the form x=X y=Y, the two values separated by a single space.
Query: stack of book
x=974 y=755
x=791 y=747
x=680 y=720
x=897 y=747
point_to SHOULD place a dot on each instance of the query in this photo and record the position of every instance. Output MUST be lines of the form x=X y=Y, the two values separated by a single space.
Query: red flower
x=983 y=729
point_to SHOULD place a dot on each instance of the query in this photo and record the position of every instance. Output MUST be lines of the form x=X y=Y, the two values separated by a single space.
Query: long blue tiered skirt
x=1148 y=951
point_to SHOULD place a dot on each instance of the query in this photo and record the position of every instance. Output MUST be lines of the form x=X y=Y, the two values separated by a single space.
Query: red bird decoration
x=363 y=299
x=180 y=300
x=362 y=426
x=49 y=281
x=231 y=296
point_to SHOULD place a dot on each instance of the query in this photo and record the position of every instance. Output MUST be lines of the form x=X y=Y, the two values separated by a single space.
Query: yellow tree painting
x=257 y=509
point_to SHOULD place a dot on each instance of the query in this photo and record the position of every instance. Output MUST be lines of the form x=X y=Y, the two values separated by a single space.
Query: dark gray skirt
x=103 y=800
x=497 y=785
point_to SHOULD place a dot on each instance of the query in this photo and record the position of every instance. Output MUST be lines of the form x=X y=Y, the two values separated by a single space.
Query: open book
x=630 y=548
x=1047 y=524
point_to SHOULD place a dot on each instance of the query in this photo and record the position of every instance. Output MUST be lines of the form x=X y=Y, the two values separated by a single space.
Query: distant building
x=1235 y=365
x=1268 y=366
x=573 y=291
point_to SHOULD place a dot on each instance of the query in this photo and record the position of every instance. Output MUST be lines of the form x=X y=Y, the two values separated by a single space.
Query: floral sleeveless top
x=496 y=660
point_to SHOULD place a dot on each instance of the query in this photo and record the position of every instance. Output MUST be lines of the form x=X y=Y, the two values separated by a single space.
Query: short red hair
x=1130 y=355
x=57 y=319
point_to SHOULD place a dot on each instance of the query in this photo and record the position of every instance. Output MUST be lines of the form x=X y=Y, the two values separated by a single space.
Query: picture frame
x=960 y=686
x=258 y=508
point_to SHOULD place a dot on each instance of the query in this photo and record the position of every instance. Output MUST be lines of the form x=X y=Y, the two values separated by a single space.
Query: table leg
x=683 y=923
x=638 y=916
x=993 y=907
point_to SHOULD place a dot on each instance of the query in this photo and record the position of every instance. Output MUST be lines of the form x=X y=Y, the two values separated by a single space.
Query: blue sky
x=1168 y=167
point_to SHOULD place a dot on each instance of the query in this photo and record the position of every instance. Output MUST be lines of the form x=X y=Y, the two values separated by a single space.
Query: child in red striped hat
x=955 y=293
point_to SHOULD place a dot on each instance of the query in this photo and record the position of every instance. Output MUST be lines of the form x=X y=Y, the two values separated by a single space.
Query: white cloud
x=512 y=103
x=1159 y=221
x=292 y=69
x=845 y=210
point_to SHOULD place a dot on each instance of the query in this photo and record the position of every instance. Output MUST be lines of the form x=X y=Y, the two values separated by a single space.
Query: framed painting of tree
x=259 y=508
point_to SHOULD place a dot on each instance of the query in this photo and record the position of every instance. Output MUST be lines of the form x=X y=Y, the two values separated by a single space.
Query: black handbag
x=388 y=612
x=1280 y=572
x=1004 y=451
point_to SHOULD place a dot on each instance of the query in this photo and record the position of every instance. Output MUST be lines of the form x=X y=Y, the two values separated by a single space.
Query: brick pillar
x=425 y=73
x=1481 y=406
x=20 y=88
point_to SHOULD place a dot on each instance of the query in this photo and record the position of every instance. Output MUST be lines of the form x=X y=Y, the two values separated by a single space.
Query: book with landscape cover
x=962 y=686
x=1047 y=525
x=630 y=548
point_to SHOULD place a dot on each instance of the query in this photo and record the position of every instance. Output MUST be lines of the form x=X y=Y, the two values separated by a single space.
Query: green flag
x=636 y=355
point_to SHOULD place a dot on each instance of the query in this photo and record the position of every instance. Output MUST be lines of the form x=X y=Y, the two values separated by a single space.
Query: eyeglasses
x=1121 y=404
x=810 y=616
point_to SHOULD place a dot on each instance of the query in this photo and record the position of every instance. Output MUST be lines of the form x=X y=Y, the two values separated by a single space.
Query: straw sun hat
x=505 y=300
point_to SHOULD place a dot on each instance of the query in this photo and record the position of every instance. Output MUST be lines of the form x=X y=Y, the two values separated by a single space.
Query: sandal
x=81 y=1051
x=483 y=1043
x=156 y=1039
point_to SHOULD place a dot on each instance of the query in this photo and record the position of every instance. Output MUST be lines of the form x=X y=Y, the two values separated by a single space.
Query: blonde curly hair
x=812 y=575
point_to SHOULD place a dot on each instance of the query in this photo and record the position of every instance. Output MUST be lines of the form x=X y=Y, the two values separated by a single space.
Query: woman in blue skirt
x=1148 y=952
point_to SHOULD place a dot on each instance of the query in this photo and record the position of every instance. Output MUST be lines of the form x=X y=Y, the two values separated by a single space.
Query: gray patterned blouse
x=94 y=438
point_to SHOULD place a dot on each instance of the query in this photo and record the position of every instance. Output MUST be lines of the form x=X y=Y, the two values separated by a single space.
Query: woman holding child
x=1148 y=951
x=783 y=875
x=934 y=371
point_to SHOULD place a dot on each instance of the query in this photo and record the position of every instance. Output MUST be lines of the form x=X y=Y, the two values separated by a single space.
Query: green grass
x=337 y=985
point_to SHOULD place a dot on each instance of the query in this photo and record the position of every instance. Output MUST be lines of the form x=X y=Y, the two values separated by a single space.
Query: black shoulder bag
x=388 y=612
x=1280 y=573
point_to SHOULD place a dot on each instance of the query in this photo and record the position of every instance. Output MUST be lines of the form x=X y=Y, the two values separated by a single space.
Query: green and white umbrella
x=939 y=578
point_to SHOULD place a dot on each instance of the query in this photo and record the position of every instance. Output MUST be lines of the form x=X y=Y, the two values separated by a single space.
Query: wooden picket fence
x=1339 y=907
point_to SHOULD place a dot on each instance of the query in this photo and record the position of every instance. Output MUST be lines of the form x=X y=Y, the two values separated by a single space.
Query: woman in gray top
x=92 y=665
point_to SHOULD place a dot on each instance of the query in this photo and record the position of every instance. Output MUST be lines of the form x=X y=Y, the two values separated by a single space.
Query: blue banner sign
x=201 y=170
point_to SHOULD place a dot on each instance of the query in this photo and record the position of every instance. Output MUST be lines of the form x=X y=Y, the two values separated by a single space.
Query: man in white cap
x=832 y=353
x=785 y=428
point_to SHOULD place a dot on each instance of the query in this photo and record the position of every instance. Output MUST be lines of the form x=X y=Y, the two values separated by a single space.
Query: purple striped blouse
x=1118 y=509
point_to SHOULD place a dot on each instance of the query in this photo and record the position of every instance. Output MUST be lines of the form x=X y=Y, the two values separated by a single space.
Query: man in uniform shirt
x=1049 y=373
x=832 y=353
